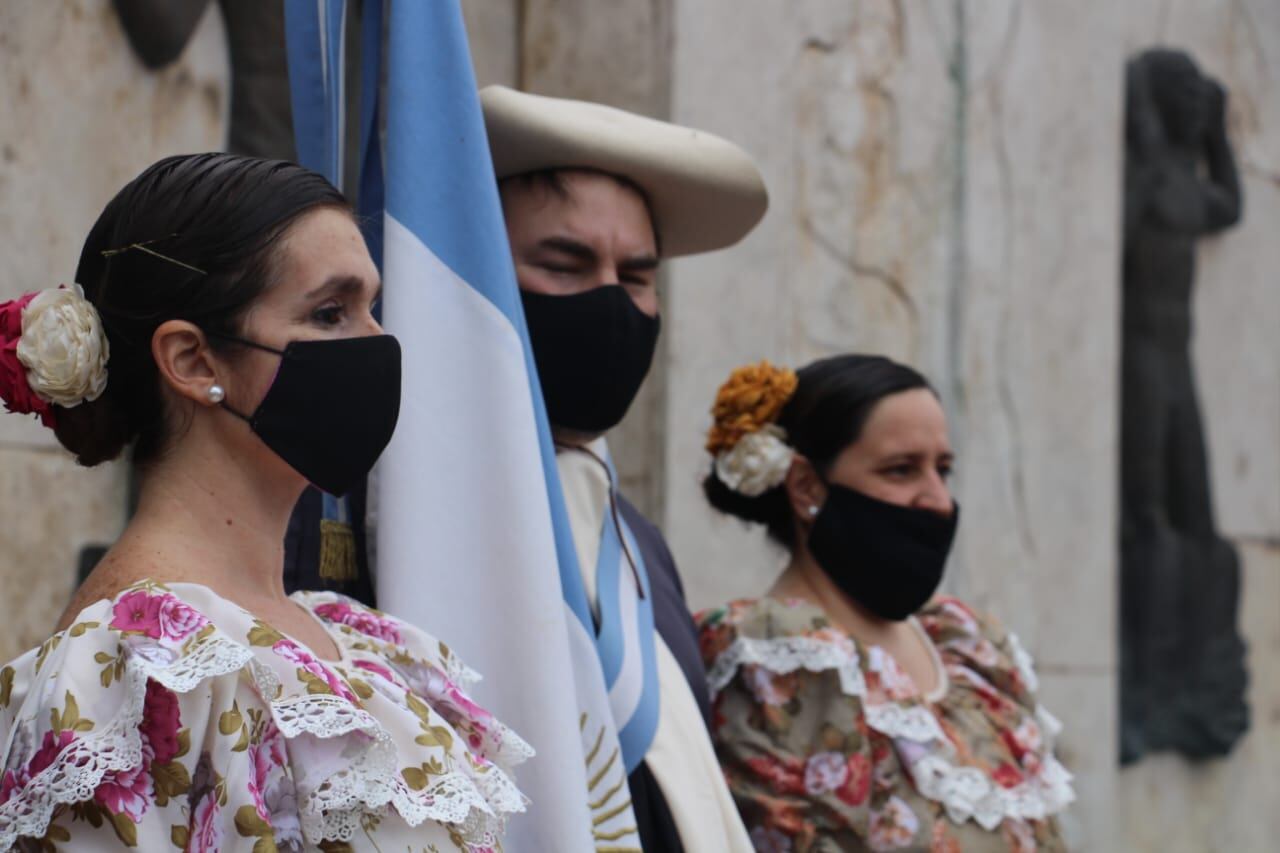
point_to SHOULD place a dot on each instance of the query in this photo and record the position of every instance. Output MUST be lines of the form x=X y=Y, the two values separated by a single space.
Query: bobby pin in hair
x=142 y=247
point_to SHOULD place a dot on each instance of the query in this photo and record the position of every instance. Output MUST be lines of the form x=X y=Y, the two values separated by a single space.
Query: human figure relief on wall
x=1183 y=675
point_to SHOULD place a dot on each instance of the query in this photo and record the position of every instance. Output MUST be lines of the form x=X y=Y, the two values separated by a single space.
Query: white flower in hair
x=63 y=347
x=758 y=462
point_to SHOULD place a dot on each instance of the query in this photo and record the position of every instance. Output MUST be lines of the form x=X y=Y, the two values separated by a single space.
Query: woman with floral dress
x=221 y=329
x=853 y=710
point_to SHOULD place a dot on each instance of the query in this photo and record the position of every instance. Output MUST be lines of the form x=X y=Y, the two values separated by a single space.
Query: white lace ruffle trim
x=476 y=800
x=785 y=655
x=78 y=770
x=965 y=792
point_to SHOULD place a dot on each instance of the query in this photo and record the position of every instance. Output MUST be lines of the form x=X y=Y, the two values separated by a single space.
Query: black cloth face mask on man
x=593 y=350
x=886 y=557
x=332 y=408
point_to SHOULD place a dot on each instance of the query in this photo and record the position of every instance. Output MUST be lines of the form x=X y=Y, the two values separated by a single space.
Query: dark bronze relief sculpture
x=261 y=124
x=1183 y=674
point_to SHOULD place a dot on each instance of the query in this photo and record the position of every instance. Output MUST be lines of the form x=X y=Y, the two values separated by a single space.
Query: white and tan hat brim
x=704 y=192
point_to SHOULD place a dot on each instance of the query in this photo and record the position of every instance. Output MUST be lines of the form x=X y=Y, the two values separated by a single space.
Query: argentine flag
x=473 y=542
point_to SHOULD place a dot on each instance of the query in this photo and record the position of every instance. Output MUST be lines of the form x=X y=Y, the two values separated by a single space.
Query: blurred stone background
x=946 y=185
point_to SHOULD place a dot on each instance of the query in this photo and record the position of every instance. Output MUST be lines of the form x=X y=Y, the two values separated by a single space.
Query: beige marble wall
x=81 y=117
x=493 y=28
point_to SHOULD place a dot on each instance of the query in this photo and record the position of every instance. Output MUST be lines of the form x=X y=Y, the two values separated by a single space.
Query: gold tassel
x=337 y=551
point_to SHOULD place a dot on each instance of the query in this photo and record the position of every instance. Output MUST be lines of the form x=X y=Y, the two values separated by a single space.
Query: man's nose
x=607 y=273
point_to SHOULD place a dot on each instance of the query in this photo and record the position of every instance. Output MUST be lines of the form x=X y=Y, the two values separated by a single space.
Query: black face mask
x=332 y=407
x=887 y=558
x=593 y=351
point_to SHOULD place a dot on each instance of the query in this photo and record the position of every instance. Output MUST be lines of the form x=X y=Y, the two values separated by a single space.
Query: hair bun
x=97 y=431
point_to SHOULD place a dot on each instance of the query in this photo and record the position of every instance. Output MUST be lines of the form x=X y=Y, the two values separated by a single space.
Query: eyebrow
x=582 y=252
x=640 y=263
x=342 y=284
x=915 y=456
x=572 y=248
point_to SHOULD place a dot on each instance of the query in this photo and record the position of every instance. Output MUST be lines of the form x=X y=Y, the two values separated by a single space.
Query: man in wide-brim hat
x=595 y=198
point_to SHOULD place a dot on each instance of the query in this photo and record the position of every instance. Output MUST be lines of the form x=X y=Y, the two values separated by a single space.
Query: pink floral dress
x=172 y=719
x=827 y=745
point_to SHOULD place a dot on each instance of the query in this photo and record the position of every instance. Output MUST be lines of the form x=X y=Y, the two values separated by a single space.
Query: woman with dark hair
x=853 y=709
x=222 y=329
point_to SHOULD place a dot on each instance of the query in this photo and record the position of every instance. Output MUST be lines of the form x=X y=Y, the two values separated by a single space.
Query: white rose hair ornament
x=53 y=352
x=750 y=451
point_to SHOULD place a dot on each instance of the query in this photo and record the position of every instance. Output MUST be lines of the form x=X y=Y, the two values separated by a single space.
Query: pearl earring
x=217 y=394
x=813 y=510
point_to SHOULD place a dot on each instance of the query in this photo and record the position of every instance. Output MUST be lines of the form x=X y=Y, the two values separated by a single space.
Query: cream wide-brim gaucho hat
x=704 y=192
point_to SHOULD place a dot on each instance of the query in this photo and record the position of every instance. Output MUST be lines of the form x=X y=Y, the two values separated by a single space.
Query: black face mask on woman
x=332 y=407
x=888 y=558
x=593 y=350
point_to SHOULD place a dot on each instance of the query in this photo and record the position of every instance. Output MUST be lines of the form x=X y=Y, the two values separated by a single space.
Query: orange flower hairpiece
x=751 y=398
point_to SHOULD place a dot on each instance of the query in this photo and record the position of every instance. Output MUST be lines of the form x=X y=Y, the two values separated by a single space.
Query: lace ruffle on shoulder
x=785 y=655
x=781 y=638
x=169 y=713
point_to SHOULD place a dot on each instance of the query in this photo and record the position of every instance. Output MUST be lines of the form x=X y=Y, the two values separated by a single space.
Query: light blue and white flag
x=473 y=542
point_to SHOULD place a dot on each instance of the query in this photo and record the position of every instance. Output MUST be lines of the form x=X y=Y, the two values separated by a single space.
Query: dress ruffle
x=75 y=711
x=785 y=637
x=80 y=764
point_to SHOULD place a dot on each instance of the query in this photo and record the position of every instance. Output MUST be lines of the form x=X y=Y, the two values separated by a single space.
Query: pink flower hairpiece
x=53 y=352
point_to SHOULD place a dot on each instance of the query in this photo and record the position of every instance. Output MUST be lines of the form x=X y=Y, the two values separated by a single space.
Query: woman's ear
x=805 y=490
x=184 y=360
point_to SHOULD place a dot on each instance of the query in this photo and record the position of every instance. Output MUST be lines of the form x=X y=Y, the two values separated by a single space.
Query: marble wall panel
x=49 y=509
x=494 y=34
x=1086 y=702
x=578 y=49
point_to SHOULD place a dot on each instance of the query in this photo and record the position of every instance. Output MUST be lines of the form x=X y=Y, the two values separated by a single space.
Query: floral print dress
x=171 y=719
x=828 y=745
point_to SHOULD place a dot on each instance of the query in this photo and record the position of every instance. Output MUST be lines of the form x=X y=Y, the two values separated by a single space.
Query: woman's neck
x=803 y=578
x=214 y=521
